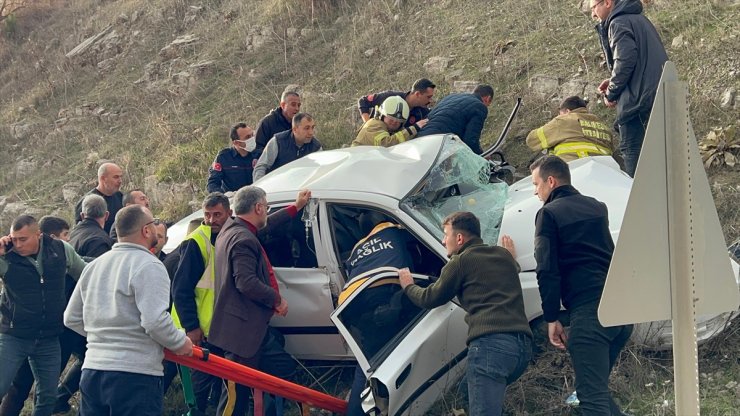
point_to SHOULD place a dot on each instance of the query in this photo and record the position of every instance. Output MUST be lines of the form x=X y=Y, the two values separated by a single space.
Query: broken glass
x=458 y=181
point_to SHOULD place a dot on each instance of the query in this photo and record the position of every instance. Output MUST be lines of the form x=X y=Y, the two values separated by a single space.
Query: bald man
x=110 y=177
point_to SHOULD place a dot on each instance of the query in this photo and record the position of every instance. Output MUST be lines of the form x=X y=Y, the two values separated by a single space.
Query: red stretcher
x=261 y=382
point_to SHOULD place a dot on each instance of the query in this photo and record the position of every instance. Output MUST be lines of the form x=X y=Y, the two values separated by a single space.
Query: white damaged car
x=415 y=184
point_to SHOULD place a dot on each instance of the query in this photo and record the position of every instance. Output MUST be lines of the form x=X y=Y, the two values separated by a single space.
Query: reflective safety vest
x=204 y=290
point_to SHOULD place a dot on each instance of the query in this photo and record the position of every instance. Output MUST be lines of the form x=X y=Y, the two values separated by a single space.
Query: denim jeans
x=43 y=355
x=594 y=349
x=631 y=136
x=494 y=361
x=117 y=393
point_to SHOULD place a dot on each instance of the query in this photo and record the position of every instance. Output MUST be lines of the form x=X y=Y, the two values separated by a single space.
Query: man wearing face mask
x=233 y=166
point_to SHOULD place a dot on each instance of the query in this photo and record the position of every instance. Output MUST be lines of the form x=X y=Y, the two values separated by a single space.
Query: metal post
x=682 y=243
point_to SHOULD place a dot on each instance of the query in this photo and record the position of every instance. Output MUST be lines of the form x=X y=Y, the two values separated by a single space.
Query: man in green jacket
x=485 y=280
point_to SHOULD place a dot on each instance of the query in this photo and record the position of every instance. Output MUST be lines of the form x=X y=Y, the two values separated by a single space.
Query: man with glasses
x=120 y=304
x=247 y=294
x=635 y=56
x=232 y=168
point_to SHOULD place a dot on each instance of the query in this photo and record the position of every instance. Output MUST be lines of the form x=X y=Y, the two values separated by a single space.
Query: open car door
x=410 y=355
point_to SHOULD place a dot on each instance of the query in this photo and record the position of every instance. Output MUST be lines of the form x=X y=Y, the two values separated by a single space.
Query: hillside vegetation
x=158 y=83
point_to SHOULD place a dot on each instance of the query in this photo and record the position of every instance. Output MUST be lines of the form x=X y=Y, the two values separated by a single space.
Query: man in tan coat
x=383 y=130
x=573 y=134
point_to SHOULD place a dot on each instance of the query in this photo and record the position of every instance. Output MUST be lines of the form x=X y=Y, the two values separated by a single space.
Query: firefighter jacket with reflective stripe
x=375 y=133
x=204 y=289
x=572 y=136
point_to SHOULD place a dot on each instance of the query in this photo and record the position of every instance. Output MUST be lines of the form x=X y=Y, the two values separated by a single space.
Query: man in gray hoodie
x=120 y=304
x=635 y=56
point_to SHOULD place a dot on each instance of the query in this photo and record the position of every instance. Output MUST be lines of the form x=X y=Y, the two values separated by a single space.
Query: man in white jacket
x=120 y=305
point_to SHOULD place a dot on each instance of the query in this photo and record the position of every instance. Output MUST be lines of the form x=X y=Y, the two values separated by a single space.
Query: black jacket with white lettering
x=385 y=246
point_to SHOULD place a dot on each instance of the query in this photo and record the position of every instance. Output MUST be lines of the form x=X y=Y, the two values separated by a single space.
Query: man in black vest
x=33 y=267
x=288 y=146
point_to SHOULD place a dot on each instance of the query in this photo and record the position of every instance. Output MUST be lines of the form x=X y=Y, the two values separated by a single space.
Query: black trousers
x=594 y=349
x=271 y=359
x=206 y=387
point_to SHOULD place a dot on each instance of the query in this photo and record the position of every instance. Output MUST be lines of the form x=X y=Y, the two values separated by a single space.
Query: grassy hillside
x=162 y=112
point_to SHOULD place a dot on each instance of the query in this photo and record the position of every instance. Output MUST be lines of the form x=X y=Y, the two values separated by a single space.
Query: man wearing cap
x=232 y=168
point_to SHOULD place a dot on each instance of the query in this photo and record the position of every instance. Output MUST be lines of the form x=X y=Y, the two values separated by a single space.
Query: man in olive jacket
x=247 y=293
x=485 y=280
x=635 y=56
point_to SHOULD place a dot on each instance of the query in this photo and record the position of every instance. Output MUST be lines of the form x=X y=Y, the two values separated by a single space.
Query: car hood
x=393 y=171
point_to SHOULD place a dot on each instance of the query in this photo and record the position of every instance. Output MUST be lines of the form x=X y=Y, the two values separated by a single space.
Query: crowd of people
x=104 y=292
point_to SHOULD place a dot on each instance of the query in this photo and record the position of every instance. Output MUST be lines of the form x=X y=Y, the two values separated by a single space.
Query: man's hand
x=302 y=199
x=610 y=104
x=4 y=241
x=404 y=275
x=195 y=335
x=422 y=123
x=282 y=308
x=556 y=333
x=604 y=86
x=186 y=349
x=365 y=117
x=508 y=244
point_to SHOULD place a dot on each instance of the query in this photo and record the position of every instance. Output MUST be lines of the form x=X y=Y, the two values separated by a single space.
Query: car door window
x=292 y=245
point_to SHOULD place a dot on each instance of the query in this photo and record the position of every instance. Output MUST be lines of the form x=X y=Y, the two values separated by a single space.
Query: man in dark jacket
x=278 y=120
x=232 y=168
x=573 y=249
x=110 y=177
x=90 y=241
x=462 y=115
x=247 y=293
x=88 y=237
x=635 y=56
x=288 y=146
x=418 y=99
x=33 y=267
x=12 y=403
x=132 y=197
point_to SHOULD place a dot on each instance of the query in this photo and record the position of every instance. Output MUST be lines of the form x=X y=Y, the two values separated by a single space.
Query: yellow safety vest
x=204 y=290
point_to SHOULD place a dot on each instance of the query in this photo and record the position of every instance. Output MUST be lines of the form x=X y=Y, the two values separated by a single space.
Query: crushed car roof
x=392 y=171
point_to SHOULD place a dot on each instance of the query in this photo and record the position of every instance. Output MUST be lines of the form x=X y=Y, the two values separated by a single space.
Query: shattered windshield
x=459 y=181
